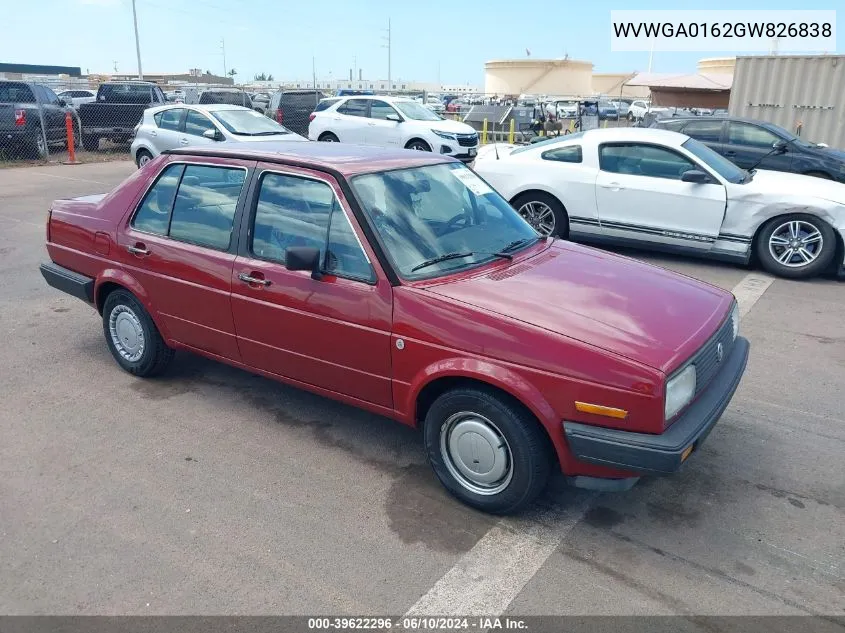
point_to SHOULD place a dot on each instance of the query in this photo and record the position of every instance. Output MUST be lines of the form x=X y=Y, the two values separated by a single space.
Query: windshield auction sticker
x=472 y=181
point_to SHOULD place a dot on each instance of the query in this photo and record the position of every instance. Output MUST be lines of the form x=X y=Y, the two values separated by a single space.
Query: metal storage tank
x=538 y=77
x=792 y=89
x=717 y=65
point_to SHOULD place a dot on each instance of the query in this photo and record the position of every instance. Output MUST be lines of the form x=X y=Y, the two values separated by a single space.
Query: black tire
x=561 y=227
x=630 y=116
x=418 y=144
x=140 y=155
x=90 y=142
x=823 y=257
x=155 y=355
x=328 y=137
x=37 y=148
x=819 y=174
x=526 y=446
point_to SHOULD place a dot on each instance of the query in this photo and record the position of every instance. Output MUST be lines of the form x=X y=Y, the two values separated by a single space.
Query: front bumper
x=662 y=454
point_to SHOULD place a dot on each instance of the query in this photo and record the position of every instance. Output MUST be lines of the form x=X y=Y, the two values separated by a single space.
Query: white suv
x=393 y=122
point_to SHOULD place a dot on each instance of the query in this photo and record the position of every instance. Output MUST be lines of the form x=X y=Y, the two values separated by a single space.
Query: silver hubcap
x=796 y=243
x=145 y=158
x=419 y=147
x=476 y=453
x=540 y=216
x=126 y=332
x=41 y=146
x=328 y=139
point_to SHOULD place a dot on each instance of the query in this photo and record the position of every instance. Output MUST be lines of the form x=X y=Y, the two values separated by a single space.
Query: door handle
x=615 y=186
x=138 y=249
x=371 y=124
x=184 y=141
x=249 y=279
x=153 y=133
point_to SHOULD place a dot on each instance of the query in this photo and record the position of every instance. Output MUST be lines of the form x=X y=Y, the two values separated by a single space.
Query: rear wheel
x=796 y=246
x=328 y=137
x=419 y=145
x=543 y=212
x=142 y=157
x=132 y=337
x=487 y=450
x=38 y=147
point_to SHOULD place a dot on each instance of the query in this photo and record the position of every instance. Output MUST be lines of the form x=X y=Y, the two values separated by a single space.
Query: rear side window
x=304 y=100
x=354 y=107
x=194 y=204
x=205 y=206
x=325 y=104
x=706 y=131
x=568 y=154
x=169 y=119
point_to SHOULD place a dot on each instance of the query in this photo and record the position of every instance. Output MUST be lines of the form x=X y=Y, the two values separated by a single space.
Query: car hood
x=642 y=312
x=779 y=184
x=447 y=125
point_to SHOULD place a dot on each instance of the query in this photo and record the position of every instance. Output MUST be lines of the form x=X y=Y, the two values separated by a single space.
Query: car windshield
x=248 y=123
x=416 y=111
x=718 y=163
x=439 y=219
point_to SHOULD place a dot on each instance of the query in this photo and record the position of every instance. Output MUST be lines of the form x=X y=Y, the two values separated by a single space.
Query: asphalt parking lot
x=213 y=491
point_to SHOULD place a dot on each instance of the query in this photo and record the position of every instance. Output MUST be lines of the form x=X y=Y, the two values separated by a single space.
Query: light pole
x=223 y=46
x=137 y=43
x=387 y=46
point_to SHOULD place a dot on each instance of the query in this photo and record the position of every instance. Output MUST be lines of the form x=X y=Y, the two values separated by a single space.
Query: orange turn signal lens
x=687 y=452
x=597 y=409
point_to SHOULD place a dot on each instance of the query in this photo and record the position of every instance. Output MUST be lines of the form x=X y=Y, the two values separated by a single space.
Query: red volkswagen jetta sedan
x=399 y=282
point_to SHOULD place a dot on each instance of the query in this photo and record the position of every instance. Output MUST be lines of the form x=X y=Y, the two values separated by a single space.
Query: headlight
x=446 y=135
x=679 y=391
x=735 y=319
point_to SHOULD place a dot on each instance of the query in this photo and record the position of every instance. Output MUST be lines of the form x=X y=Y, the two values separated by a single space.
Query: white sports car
x=654 y=188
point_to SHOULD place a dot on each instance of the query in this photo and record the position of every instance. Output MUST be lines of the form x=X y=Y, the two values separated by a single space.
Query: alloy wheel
x=796 y=243
x=540 y=216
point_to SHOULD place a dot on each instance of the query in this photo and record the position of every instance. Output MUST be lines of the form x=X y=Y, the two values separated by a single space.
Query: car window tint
x=354 y=107
x=568 y=154
x=746 y=134
x=50 y=96
x=325 y=104
x=196 y=123
x=153 y=216
x=636 y=159
x=291 y=211
x=169 y=119
x=381 y=110
x=344 y=255
x=205 y=205
x=706 y=131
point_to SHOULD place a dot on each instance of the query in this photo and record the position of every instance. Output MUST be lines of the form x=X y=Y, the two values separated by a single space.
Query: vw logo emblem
x=720 y=352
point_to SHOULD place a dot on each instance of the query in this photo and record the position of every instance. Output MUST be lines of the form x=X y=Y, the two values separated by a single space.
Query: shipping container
x=802 y=93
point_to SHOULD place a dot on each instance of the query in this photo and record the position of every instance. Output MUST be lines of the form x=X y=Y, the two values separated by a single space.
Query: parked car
x=21 y=106
x=751 y=143
x=393 y=122
x=117 y=110
x=664 y=190
x=638 y=110
x=608 y=111
x=399 y=282
x=293 y=108
x=171 y=126
x=621 y=108
x=230 y=96
x=77 y=97
x=435 y=105
x=260 y=101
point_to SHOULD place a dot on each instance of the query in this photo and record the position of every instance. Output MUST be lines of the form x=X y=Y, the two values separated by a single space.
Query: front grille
x=706 y=359
x=467 y=140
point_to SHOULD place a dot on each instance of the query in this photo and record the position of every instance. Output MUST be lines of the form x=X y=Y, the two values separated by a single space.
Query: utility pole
x=651 y=56
x=115 y=66
x=387 y=46
x=314 y=71
x=223 y=46
x=137 y=43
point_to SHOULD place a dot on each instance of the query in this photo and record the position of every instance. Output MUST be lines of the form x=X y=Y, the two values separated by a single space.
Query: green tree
x=269 y=77
x=260 y=77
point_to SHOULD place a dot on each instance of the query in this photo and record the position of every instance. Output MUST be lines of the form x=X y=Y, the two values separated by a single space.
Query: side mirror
x=211 y=134
x=779 y=147
x=304 y=258
x=64 y=103
x=696 y=176
x=393 y=117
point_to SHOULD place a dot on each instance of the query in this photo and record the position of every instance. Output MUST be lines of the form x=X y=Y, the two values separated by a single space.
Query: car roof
x=387 y=98
x=718 y=117
x=346 y=159
x=642 y=134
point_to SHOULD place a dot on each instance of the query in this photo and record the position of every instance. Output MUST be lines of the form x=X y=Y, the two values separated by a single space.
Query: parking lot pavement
x=210 y=490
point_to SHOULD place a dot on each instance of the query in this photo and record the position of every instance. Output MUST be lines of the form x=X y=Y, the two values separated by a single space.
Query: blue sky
x=452 y=38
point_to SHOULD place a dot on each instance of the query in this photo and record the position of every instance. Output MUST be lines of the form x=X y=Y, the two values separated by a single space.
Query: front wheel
x=132 y=337
x=419 y=145
x=796 y=246
x=328 y=137
x=142 y=157
x=543 y=212
x=486 y=450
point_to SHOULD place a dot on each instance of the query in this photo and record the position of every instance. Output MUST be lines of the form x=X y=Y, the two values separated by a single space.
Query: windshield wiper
x=440 y=258
x=517 y=243
x=448 y=256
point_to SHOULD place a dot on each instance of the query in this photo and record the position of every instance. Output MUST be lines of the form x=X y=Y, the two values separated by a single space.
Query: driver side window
x=637 y=159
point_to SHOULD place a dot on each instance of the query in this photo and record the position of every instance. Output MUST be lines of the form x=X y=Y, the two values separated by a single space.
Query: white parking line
x=490 y=575
x=96 y=182
x=750 y=289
